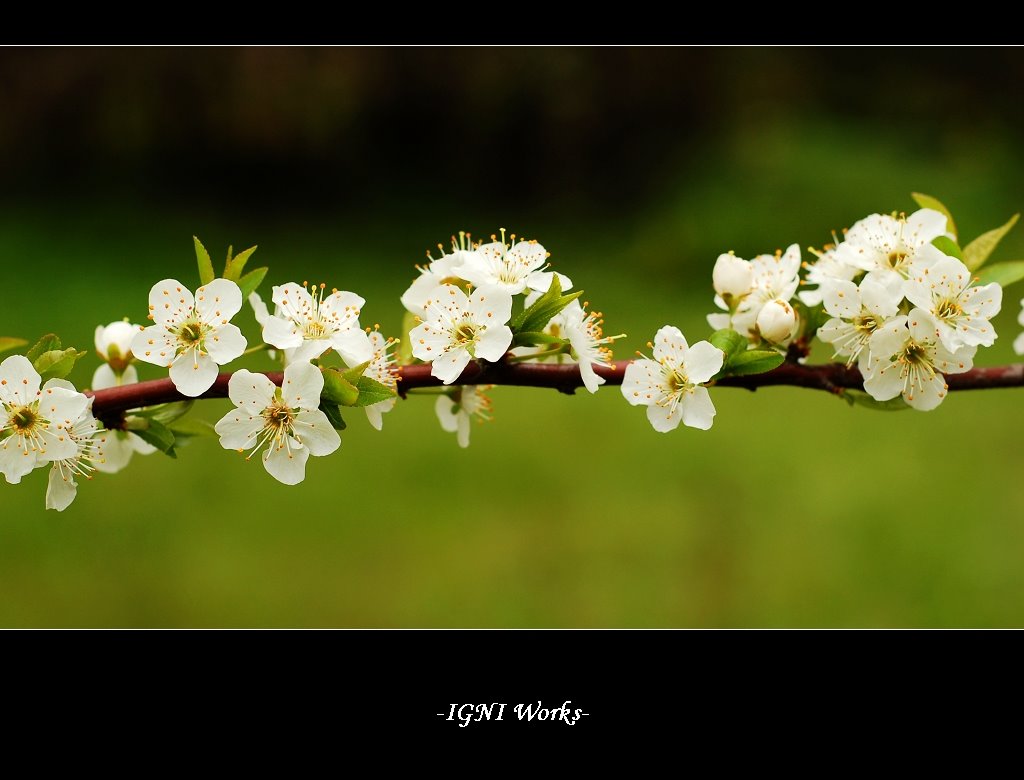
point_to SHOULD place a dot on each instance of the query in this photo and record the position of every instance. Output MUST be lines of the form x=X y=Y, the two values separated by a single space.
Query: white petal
x=696 y=407
x=61 y=489
x=303 y=384
x=884 y=379
x=591 y=380
x=309 y=349
x=219 y=300
x=702 y=361
x=449 y=366
x=155 y=345
x=540 y=281
x=427 y=341
x=19 y=381
x=528 y=253
x=420 y=291
x=669 y=343
x=923 y=227
x=353 y=346
x=640 y=382
x=1018 y=344
x=447 y=412
x=880 y=300
x=315 y=432
x=250 y=391
x=225 y=343
x=719 y=321
x=375 y=414
x=841 y=298
x=462 y=433
x=286 y=464
x=15 y=462
x=662 y=418
x=490 y=306
x=292 y=298
x=281 y=333
x=192 y=375
x=342 y=307
x=889 y=339
x=928 y=395
x=259 y=308
x=140 y=446
x=238 y=430
x=170 y=302
x=494 y=342
x=115 y=451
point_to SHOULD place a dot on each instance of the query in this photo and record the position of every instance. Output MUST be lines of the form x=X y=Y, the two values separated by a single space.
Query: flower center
x=278 y=417
x=677 y=380
x=896 y=259
x=866 y=324
x=915 y=355
x=315 y=329
x=948 y=309
x=23 y=418
x=191 y=334
x=464 y=334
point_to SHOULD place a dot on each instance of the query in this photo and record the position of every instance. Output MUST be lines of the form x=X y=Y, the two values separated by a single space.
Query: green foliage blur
x=795 y=509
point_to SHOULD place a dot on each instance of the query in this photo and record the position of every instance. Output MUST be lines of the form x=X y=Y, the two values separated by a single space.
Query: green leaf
x=948 y=246
x=1003 y=273
x=206 y=274
x=352 y=374
x=333 y=412
x=536 y=317
x=251 y=281
x=166 y=413
x=235 y=265
x=729 y=341
x=192 y=427
x=57 y=363
x=157 y=434
x=337 y=389
x=754 y=361
x=535 y=339
x=928 y=202
x=858 y=398
x=47 y=343
x=7 y=343
x=978 y=251
x=372 y=392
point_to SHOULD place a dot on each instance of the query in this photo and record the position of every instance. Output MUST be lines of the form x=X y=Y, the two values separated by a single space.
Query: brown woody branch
x=110 y=404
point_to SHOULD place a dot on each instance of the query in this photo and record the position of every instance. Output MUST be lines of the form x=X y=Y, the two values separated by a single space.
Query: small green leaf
x=729 y=341
x=47 y=343
x=948 y=246
x=352 y=374
x=1003 y=273
x=754 y=361
x=928 y=202
x=535 y=339
x=192 y=427
x=857 y=398
x=57 y=363
x=157 y=434
x=206 y=274
x=235 y=265
x=251 y=281
x=7 y=343
x=978 y=251
x=337 y=389
x=166 y=413
x=372 y=392
x=333 y=412
x=409 y=321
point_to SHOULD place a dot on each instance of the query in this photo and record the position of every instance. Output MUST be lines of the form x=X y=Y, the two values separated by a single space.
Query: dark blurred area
x=594 y=130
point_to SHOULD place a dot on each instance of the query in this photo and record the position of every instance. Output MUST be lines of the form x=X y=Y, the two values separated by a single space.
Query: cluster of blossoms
x=895 y=297
x=463 y=303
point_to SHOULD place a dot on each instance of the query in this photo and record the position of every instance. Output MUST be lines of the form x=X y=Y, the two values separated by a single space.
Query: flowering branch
x=110 y=403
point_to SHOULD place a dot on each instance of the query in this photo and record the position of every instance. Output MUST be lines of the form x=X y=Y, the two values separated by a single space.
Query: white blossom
x=458 y=328
x=670 y=385
x=286 y=419
x=891 y=248
x=777 y=322
x=908 y=358
x=114 y=346
x=456 y=410
x=192 y=335
x=34 y=422
x=89 y=440
x=588 y=342
x=961 y=309
x=510 y=268
x=439 y=271
x=732 y=276
x=307 y=323
x=857 y=312
x=381 y=369
x=829 y=267
x=1018 y=343
x=773 y=278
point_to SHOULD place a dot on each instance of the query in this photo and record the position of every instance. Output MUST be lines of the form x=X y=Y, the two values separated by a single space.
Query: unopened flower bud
x=777 y=322
x=732 y=277
x=114 y=343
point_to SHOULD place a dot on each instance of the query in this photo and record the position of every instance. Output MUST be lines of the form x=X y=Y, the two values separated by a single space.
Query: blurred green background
x=635 y=168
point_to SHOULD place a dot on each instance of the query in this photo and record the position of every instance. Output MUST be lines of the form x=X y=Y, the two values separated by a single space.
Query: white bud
x=114 y=342
x=777 y=322
x=732 y=276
